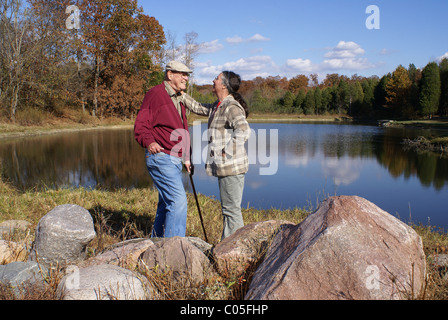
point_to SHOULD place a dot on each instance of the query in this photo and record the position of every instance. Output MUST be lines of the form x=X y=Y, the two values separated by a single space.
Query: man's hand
x=155 y=148
x=190 y=167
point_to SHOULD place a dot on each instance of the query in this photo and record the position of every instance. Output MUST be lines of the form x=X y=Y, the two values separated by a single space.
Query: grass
x=435 y=123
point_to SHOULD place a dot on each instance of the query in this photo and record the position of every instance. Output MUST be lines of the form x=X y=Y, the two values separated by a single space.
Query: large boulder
x=18 y=275
x=62 y=236
x=237 y=253
x=348 y=249
x=10 y=227
x=103 y=282
x=178 y=255
x=123 y=254
x=11 y=252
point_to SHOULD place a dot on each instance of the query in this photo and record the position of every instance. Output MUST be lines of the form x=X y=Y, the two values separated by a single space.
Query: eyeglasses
x=182 y=74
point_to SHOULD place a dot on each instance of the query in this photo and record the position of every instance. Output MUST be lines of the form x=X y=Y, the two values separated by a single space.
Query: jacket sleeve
x=196 y=107
x=238 y=122
x=143 y=127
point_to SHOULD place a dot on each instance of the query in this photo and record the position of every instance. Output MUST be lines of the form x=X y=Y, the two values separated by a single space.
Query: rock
x=9 y=227
x=11 y=252
x=348 y=249
x=200 y=244
x=197 y=242
x=17 y=274
x=122 y=254
x=103 y=282
x=62 y=236
x=179 y=256
x=440 y=263
x=242 y=249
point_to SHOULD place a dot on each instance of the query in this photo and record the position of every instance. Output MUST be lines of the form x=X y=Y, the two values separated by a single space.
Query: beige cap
x=177 y=66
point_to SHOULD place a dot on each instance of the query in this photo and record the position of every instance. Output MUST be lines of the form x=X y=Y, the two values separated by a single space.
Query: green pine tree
x=318 y=101
x=430 y=89
x=443 y=104
x=309 y=103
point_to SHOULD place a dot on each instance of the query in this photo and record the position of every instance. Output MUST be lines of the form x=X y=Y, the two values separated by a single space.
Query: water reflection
x=314 y=160
x=105 y=158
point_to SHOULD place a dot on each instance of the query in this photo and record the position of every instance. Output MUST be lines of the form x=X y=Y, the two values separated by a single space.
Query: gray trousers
x=231 y=191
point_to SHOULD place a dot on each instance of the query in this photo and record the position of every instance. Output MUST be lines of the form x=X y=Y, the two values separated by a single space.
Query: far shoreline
x=10 y=130
x=59 y=126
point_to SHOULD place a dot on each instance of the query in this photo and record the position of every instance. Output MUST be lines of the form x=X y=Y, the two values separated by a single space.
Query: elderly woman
x=227 y=158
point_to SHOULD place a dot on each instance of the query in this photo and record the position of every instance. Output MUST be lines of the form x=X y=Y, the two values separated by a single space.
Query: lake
x=292 y=165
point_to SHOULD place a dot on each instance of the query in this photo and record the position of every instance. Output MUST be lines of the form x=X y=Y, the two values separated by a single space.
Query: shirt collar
x=170 y=90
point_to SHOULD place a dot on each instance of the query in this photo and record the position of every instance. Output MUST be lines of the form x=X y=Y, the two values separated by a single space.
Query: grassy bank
x=436 y=123
x=75 y=121
x=128 y=214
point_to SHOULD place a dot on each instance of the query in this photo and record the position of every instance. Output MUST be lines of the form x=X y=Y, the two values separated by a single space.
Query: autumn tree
x=53 y=79
x=122 y=44
x=398 y=88
x=297 y=83
x=15 y=52
x=331 y=80
x=430 y=89
x=34 y=54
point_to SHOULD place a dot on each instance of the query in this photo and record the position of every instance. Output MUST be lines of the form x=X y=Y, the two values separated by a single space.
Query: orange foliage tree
x=123 y=45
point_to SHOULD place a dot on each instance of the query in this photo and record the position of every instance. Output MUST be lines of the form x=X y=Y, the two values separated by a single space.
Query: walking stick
x=197 y=202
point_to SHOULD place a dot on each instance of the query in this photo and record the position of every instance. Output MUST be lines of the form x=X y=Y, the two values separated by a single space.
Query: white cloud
x=235 y=40
x=210 y=47
x=346 y=56
x=255 y=38
x=343 y=171
x=445 y=56
x=247 y=68
x=346 y=64
x=258 y=37
x=345 y=50
x=300 y=65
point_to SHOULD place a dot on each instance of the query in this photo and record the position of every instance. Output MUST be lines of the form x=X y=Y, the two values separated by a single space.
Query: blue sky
x=291 y=37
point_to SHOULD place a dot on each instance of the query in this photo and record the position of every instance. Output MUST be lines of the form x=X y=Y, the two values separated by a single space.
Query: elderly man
x=161 y=128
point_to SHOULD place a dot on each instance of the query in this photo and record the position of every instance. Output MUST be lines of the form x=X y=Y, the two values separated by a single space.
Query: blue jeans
x=166 y=173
